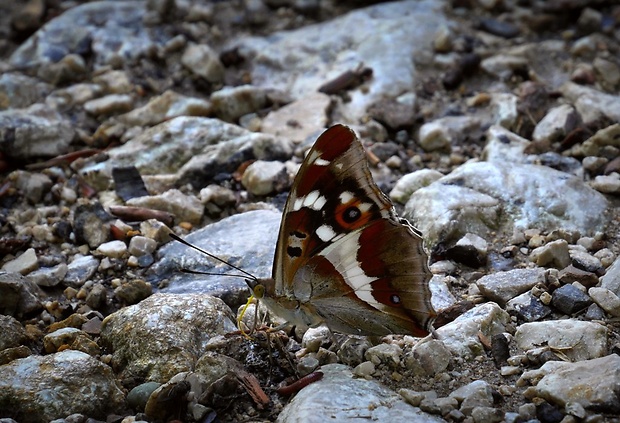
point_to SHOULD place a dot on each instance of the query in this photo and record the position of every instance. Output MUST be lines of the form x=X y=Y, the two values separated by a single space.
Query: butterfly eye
x=259 y=291
x=351 y=214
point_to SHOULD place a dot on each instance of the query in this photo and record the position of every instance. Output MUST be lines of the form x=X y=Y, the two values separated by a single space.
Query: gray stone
x=554 y=254
x=339 y=397
x=606 y=300
x=110 y=31
x=37 y=131
x=44 y=388
x=475 y=394
x=25 y=263
x=440 y=134
x=593 y=383
x=164 y=334
x=556 y=124
x=246 y=240
x=49 y=276
x=230 y=103
x=165 y=107
x=461 y=336
x=569 y=299
x=484 y=197
x=264 y=178
x=412 y=182
x=399 y=31
x=504 y=286
x=184 y=208
x=18 y=91
x=592 y=105
x=19 y=295
x=611 y=279
x=80 y=270
x=203 y=61
x=12 y=333
x=528 y=307
x=574 y=339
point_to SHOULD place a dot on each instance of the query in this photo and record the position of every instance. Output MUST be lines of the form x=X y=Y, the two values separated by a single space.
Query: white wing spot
x=298 y=203
x=325 y=233
x=321 y=162
x=346 y=197
x=364 y=207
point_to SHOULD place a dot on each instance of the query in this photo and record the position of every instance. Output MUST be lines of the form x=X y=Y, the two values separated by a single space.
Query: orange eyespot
x=350 y=216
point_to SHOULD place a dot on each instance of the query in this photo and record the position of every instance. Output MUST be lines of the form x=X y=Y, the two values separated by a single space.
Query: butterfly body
x=343 y=256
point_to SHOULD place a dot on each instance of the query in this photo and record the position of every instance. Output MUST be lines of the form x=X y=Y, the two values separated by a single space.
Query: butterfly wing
x=336 y=216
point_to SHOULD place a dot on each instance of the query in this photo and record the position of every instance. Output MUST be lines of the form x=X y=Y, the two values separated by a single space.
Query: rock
x=197 y=148
x=505 y=111
x=164 y=334
x=134 y=291
x=264 y=178
x=395 y=114
x=112 y=104
x=607 y=184
x=112 y=249
x=138 y=396
x=606 y=300
x=556 y=124
x=49 y=276
x=386 y=354
x=37 y=131
x=352 y=350
x=338 y=396
x=470 y=250
x=554 y=254
x=572 y=274
x=165 y=107
x=19 y=91
x=611 y=279
x=247 y=240
x=528 y=307
x=409 y=26
x=411 y=182
x=583 y=260
x=106 y=31
x=24 y=263
x=569 y=299
x=91 y=224
x=460 y=337
x=60 y=337
x=204 y=62
x=428 y=358
x=504 y=286
x=475 y=394
x=19 y=296
x=80 y=270
x=503 y=66
x=12 y=334
x=440 y=134
x=230 y=103
x=504 y=146
x=299 y=120
x=185 y=208
x=591 y=383
x=574 y=339
x=591 y=104
x=44 y=388
x=97 y=297
x=474 y=196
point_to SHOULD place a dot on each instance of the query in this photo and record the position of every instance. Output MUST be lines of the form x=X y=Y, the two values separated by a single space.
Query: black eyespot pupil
x=351 y=214
x=294 y=251
x=395 y=299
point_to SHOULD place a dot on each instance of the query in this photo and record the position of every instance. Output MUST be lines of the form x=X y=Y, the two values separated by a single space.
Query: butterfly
x=343 y=256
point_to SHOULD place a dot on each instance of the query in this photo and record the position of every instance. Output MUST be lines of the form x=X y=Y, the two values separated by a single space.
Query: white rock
x=611 y=279
x=575 y=339
x=592 y=104
x=553 y=254
x=461 y=336
x=482 y=197
x=262 y=177
x=300 y=119
x=504 y=146
x=339 y=397
x=441 y=133
x=504 y=286
x=230 y=103
x=112 y=249
x=412 y=182
x=606 y=300
x=505 y=112
x=203 y=61
x=388 y=354
x=556 y=124
x=109 y=104
x=141 y=245
x=593 y=383
x=49 y=276
x=475 y=394
x=400 y=30
x=183 y=207
x=608 y=184
x=24 y=263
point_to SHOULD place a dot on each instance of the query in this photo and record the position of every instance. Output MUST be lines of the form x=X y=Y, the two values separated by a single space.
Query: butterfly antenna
x=208 y=254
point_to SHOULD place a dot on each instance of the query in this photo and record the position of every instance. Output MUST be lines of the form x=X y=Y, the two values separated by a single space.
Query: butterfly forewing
x=326 y=190
x=342 y=251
